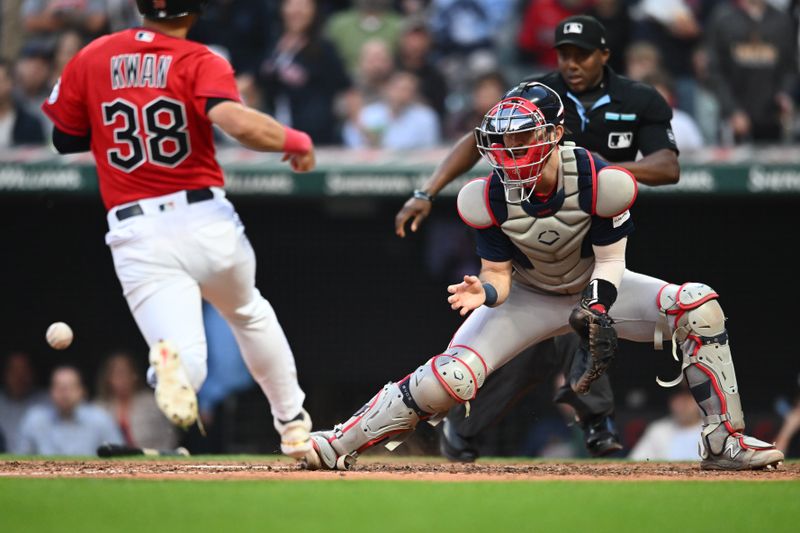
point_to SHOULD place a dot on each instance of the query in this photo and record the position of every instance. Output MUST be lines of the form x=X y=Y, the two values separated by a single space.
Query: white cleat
x=322 y=456
x=174 y=394
x=295 y=435
x=743 y=452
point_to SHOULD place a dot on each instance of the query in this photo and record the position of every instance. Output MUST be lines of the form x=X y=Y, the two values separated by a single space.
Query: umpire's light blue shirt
x=44 y=432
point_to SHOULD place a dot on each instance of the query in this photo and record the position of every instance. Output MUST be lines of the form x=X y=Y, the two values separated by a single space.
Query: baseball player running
x=552 y=225
x=144 y=101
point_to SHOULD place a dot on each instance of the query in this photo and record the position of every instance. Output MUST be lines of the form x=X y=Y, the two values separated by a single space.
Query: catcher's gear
x=698 y=323
x=169 y=9
x=598 y=346
x=444 y=380
x=741 y=452
x=531 y=112
x=598 y=336
x=552 y=256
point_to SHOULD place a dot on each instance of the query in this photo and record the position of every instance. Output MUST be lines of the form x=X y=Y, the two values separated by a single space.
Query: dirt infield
x=430 y=470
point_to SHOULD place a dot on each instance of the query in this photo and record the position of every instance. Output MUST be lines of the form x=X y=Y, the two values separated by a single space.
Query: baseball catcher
x=552 y=225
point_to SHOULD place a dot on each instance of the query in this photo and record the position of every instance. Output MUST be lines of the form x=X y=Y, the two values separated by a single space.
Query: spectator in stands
x=487 y=90
x=245 y=29
x=642 y=59
x=17 y=126
x=121 y=394
x=415 y=55
x=43 y=19
x=69 y=426
x=304 y=75
x=19 y=394
x=786 y=441
x=67 y=45
x=687 y=134
x=705 y=108
x=398 y=122
x=538 y=28
x=32 y=73
x=11 y=31
x=123 y=14
x=613 y=14
x=753 y=66
x=673 y=26
x=375 y=67
x=673 y=438
x=367 y=20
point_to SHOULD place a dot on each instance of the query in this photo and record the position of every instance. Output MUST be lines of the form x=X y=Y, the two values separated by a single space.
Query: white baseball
x=59 y=335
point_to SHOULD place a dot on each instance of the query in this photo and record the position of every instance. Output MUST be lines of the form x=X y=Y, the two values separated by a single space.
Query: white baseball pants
x=176 y=253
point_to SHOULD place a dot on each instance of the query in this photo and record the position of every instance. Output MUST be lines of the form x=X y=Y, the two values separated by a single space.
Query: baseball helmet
x=518 y=135
x=169 y=9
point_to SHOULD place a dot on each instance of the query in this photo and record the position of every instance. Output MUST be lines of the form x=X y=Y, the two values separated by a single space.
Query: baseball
x=59 y=335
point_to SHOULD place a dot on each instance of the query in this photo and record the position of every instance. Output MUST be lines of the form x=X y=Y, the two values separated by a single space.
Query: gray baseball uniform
x=559 y=245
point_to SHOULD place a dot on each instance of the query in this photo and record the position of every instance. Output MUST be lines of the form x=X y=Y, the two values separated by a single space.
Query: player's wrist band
x=297 y=142
x=491 y=295
x=599 y=292
x=419 y=194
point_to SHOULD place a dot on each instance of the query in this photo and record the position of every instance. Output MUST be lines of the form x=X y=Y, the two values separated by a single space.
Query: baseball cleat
x=600 y=437
x=742 y=452
x=455 y=447
x=174 y=394
x=295 y=435
x=322 y=456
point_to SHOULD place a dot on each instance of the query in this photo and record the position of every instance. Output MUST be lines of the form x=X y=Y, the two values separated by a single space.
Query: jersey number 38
x=161 y=137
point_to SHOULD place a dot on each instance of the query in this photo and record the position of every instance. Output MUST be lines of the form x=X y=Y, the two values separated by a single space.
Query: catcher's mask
x=519 y=134
x=169 y=9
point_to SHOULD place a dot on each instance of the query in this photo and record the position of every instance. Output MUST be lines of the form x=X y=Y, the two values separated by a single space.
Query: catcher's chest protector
x=553 y=243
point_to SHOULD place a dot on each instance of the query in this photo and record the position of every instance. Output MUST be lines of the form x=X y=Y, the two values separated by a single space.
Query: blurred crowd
x=70 y=416
x=406 y=74
x=63 y=418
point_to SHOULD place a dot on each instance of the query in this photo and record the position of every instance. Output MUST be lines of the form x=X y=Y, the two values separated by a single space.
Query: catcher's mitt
x=599 y=343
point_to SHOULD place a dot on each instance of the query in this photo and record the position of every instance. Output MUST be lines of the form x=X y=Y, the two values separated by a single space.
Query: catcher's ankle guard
x=433 y=388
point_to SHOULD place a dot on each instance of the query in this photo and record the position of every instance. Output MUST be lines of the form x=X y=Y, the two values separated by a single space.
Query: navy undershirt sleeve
x=493 y=245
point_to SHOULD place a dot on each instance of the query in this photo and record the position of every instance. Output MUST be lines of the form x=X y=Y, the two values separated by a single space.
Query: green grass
x=119 y=505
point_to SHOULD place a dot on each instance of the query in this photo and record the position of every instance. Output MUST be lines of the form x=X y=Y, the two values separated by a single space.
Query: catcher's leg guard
x=699 y=328
x=446 y=379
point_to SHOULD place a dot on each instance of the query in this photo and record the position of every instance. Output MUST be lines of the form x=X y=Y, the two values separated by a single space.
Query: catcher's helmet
x=518 y=135
x=169 y=9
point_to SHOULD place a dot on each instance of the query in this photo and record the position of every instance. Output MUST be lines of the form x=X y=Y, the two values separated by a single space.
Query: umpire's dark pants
x=507 y=385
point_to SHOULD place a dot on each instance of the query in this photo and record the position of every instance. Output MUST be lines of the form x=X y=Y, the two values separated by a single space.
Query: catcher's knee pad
x=444 y=380
x=699 y=328
x=448 y=378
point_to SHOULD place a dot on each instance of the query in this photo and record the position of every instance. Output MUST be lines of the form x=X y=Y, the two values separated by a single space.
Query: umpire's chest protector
x=553 y=249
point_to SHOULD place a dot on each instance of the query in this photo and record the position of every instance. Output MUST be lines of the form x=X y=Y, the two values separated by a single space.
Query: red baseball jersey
x=142 y=96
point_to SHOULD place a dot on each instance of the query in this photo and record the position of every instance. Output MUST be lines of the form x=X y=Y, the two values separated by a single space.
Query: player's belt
x=193 y=196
